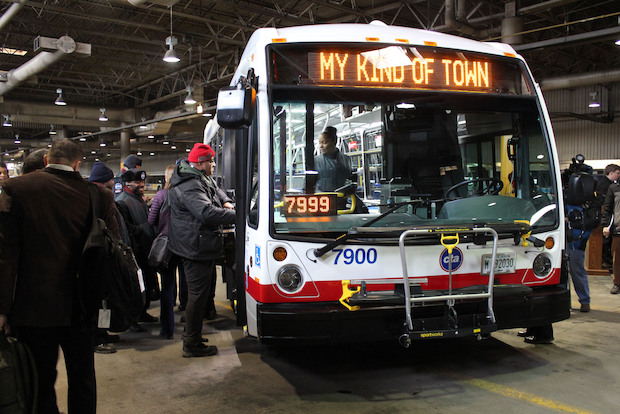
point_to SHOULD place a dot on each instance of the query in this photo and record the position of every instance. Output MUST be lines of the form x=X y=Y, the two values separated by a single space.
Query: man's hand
x=229 y=205
x=4 y=324
x=606 y=231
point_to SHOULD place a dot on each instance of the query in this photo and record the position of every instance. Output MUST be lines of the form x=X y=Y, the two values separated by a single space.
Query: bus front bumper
x=514 y=306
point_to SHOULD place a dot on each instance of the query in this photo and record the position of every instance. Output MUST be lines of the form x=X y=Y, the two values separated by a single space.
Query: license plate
x=504 y=263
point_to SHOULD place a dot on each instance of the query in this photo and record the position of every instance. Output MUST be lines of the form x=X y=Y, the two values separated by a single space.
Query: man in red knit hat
x=197 y=208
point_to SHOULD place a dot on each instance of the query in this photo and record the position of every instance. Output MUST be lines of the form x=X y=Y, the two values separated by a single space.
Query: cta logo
x=457 y=259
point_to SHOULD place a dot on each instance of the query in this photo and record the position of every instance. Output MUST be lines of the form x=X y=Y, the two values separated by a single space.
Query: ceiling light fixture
x=618 y=42
x=170 y=56
x=151 y=136
x=60 y=101
x=7 y=120
x=139 y=153
x=594 y=100
x=189 y=99
x=52 y=130
x=102 y=143
x=143 y=126
x=102 y=117
x=17 y=140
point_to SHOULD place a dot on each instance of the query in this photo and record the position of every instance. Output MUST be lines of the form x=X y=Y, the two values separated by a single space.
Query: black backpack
x=109 y=275
x=18 y=377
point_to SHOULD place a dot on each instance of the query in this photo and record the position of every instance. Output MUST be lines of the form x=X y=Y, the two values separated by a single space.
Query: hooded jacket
x=196 y=211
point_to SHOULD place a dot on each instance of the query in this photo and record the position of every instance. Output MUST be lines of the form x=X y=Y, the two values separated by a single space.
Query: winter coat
x=196 y=211
x=158 y=216
x=45 y=217
x=611 y=208
x=135 y=211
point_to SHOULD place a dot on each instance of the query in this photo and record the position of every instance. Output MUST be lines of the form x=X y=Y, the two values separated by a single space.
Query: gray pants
x=199 y=276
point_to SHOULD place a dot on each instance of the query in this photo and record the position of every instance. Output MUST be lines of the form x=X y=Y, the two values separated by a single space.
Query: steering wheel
x=493 y=186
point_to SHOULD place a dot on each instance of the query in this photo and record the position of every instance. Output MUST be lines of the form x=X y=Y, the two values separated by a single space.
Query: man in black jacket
x=45 y=217
x=197 y=207
x=136 y=211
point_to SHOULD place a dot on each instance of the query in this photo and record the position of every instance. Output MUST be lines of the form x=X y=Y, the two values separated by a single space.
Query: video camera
x=577 y=166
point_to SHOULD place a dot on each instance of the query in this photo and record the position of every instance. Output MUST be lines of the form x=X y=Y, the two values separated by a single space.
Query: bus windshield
x=389 y=158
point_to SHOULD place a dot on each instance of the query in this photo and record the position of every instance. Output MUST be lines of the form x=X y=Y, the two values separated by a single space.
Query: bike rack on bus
x=446 y=236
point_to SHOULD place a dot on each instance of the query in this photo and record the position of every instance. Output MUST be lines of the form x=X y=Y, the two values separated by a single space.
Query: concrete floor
x=578 y=373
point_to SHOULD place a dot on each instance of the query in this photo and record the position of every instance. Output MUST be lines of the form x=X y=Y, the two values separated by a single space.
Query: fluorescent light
x=10 y=51
x=103 y=117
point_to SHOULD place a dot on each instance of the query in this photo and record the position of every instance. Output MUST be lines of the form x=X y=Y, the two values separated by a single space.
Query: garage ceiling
x=124 y=71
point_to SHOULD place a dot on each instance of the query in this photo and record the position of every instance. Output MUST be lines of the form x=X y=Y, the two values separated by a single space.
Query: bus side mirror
x=235 y=106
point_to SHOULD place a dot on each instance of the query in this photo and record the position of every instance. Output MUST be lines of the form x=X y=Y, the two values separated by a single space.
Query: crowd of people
x=45 y=217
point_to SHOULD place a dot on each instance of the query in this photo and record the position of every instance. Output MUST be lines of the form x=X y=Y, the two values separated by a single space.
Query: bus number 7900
x=359 y=256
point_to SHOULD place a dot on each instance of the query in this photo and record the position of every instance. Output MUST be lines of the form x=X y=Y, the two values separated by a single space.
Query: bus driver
x=333 y=166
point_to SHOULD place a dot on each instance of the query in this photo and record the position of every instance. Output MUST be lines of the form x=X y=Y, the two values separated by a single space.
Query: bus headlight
x=289 y=278
x=542 y=265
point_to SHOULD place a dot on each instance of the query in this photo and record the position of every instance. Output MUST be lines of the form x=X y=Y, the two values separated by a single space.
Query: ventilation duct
x=52 y=51
x=11 y=12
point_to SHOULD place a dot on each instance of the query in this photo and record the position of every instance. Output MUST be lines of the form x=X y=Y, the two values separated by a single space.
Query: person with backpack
x=45 y=217
x=584 y=215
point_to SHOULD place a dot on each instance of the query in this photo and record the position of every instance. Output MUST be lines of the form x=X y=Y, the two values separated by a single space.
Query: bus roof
x=374 y=32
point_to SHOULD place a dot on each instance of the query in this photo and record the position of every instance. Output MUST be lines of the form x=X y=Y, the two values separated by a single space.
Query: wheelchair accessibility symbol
x=457 y=259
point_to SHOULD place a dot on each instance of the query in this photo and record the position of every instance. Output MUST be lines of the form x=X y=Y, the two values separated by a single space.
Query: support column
x=125 y=135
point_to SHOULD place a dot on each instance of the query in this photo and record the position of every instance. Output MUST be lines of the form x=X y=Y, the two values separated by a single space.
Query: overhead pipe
x=11 y=12
x=586 y=79
x=166 y=3
x=460 y=25
x=63 y=46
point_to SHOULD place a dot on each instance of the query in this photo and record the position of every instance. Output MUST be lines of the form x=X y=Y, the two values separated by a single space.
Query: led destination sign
x=379 y=68
x=396 y=67
x=310 y=205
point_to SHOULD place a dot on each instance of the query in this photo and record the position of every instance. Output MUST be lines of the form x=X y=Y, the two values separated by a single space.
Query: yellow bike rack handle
x=445 y=241
x=524 y=236
x=347 y=293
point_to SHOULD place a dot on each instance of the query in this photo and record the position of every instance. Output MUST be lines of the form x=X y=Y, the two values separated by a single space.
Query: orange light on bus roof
x=402 y=40
x=428 y=43
x=510 y=54
x=372 y=39
x=279 y=40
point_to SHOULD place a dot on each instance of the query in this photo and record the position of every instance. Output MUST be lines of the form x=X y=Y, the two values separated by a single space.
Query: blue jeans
x=578 y=274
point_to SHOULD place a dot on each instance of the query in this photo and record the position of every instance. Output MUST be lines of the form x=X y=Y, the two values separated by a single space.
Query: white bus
x=451 y=222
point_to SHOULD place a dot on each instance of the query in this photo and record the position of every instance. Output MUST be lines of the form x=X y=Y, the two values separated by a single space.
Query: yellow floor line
x=531 y=398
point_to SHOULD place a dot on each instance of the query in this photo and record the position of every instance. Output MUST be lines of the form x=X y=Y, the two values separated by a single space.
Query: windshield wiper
x=344 y=237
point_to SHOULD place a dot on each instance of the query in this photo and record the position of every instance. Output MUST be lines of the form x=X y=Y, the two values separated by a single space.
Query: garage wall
x=595 y=140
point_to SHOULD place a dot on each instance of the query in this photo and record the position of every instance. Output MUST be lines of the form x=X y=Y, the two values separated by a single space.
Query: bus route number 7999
x=359 y=256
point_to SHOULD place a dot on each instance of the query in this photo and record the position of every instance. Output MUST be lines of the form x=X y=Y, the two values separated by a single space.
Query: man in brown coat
x=45 y=217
